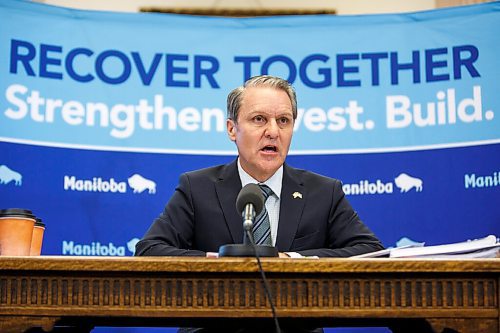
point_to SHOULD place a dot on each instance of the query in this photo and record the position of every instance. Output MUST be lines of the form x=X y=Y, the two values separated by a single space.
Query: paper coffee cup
x=37 y=239
x=16 y=231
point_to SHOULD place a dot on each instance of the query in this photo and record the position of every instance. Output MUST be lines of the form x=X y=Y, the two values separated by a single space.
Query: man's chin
x=264 y=168
x=271 y=166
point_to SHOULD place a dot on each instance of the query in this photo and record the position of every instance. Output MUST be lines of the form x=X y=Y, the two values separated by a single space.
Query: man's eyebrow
x=285 y=113
x=266 y=112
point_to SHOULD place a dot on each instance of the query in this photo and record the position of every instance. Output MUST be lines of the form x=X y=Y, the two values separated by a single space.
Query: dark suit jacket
x=201 y=216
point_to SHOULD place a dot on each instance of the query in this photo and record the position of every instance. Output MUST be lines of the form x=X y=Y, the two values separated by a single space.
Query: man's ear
x=231 y=129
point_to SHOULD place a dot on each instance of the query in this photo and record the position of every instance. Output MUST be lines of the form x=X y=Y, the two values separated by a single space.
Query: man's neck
x=274 y=181
x=259 y=177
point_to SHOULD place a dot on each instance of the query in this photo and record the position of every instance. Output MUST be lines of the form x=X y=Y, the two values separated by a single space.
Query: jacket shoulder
x=212 y=173
x=311 y=178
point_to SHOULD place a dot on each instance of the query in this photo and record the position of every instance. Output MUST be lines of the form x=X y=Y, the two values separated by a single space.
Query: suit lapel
x=227 y=187
x=290 y=208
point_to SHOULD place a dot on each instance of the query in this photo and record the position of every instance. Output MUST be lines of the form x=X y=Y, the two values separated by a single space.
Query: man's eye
x=284 y=121
x=258 y=119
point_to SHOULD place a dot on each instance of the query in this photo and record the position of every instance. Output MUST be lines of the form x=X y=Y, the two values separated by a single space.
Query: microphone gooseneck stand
x=250 y=202
x=264 y=280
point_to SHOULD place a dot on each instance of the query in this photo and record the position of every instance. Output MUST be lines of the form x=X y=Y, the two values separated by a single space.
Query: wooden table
x=423 y=295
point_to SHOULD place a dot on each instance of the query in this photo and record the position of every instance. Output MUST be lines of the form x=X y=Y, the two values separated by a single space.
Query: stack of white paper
x=487 y=247
x=476 y=248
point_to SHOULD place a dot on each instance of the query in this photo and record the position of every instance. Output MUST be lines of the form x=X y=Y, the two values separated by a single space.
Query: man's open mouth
x=270 y=148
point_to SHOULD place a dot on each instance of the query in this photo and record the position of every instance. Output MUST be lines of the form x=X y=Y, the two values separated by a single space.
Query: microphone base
x=247 y=250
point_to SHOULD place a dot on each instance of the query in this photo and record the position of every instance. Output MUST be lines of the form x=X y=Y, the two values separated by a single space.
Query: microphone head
x=250 y=194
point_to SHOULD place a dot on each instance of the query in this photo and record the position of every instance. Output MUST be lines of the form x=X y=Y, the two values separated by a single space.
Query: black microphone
x=249 y=202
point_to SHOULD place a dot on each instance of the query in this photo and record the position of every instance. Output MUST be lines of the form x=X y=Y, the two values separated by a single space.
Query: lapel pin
x=297 y=195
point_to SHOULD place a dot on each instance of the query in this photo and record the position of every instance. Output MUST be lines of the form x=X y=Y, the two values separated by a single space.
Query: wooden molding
x=461 y=295
x=237 y=12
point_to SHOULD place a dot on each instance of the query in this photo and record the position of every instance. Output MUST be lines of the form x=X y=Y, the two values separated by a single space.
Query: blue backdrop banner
x=101 y=112
x=157 y=83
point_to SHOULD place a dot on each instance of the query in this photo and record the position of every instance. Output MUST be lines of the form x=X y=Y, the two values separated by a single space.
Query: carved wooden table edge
x=281 y=265
x=447 y=294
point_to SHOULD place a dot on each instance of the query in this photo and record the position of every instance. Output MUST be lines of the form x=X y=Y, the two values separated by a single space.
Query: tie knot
x=266 y=191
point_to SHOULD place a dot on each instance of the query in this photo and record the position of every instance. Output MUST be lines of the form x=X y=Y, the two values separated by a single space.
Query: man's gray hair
x=235 y=97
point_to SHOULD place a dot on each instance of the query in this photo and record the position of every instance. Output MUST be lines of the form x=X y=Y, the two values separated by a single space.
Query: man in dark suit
x=308 y=213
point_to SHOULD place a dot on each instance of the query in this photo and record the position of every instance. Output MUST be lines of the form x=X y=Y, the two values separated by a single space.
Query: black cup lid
x=16 y=212
x=39 y=222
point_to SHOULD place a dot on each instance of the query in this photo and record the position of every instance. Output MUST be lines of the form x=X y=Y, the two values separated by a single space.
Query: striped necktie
x=262 y=227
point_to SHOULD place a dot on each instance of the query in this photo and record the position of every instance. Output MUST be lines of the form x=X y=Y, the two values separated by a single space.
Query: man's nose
x=272 y=128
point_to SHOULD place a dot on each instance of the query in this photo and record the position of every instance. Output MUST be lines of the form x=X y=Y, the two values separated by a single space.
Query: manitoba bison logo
x=139 y=184
x=7 y=175
x=406 y=182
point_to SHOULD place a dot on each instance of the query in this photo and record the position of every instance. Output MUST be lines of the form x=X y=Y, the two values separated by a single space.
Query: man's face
x=263 y=131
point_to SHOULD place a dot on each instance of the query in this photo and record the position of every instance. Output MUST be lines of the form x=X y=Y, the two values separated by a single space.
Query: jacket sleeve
x=171 y=234
x=346 y=234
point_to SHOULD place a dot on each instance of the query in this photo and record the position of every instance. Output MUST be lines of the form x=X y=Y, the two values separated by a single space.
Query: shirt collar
x=274 y=182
